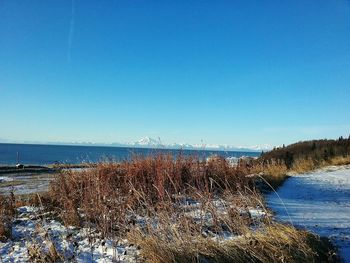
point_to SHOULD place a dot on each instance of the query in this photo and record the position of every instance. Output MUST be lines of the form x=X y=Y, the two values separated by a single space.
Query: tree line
x=315 y=150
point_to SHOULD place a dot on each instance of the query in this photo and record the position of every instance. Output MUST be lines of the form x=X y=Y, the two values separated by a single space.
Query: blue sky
x=234 y=72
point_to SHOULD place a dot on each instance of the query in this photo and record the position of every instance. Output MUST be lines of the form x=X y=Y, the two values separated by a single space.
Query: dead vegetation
x=276 y=243
x=7 y=212
x=181 y=209
x=276 y=168
x=104 y=194
x=175 y=209
x=340 y=160
x=37 y=254
x=270 y=175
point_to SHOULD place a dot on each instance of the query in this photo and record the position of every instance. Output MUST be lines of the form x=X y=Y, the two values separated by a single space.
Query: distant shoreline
x=38 y=169
x=137 y=147
x=46 y=155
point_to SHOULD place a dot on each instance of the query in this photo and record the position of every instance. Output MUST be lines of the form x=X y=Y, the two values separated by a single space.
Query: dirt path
x=318 y=201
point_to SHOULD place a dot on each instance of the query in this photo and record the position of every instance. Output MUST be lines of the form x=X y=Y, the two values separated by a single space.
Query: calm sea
x=49 y=154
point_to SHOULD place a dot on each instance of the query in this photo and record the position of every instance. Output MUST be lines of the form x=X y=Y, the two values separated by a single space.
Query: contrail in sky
x=71 y=31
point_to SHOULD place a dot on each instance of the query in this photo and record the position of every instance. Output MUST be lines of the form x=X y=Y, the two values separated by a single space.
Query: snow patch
x=80 y=245
x=318 y=201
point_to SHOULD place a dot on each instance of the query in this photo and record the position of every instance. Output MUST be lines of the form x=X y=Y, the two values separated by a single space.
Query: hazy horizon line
x=138 y=145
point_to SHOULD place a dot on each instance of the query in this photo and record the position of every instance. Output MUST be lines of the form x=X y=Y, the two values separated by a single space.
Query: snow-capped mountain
x=265 y=147
x=148 y=142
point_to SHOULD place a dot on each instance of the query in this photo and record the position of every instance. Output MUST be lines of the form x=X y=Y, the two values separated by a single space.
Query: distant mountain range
x=148 y=142
x=153 y=143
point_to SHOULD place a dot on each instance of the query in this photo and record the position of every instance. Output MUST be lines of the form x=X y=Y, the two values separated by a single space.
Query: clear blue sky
x=235 y=72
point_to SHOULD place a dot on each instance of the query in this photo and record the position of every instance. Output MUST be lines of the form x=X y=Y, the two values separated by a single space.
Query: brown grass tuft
x=340 y=160
x=274 y=243
x=7 y=212
x=104 y=193
x=303 y=165
x=273 y=173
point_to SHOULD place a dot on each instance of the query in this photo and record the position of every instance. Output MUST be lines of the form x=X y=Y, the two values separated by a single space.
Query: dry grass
x=340 y=160
x=105 y=192
x=307 y=165
x=275 y=243
x=303 y=165
x=144 y=199
x=9 y=203
x=273 y=173
x=7 y=212
x=276 y=172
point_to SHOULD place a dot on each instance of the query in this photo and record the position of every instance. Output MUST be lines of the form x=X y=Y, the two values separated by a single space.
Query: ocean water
x=48 y=154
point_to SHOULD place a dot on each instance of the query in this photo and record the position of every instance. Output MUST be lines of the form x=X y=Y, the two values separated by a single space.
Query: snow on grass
x=5 y=179
x=82 y=245
x=318 y=201
x=34 y=228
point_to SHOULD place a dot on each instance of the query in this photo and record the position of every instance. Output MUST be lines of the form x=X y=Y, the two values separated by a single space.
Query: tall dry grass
x=274 y=243
x=340 y=160
x=7 y=212
x=179 y=209
x=104 y=193
x=304 y=165
x=273 y=173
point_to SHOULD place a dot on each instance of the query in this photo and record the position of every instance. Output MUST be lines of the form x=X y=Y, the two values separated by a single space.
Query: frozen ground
x=25 y=183
x=35 y=231
x=318 y=201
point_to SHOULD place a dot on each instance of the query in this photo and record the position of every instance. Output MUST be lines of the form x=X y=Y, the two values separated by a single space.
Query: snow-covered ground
x=25 y=183
x=35 y=230
x=32 y=229
x=318 y=201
